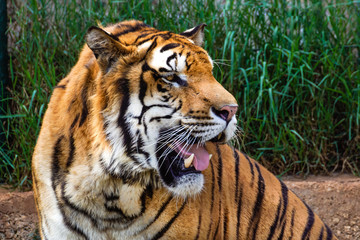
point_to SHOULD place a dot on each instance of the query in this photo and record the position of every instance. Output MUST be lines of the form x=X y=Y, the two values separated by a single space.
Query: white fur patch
x=188 y=185
x=159 y=60
x=144 y=46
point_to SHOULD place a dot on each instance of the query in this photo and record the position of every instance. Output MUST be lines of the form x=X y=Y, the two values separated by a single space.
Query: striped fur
x=98 y=166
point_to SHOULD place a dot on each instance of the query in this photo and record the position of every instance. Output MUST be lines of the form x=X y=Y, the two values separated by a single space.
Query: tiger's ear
x=196 y=34
x=106 y=47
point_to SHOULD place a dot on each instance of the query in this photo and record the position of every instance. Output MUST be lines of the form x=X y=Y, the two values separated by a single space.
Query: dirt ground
x=335 y=199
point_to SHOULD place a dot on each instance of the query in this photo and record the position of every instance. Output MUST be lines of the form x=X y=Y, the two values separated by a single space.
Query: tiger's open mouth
x=179 y=159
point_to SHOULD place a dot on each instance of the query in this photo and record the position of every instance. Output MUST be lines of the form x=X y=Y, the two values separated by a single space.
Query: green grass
x=292 y=65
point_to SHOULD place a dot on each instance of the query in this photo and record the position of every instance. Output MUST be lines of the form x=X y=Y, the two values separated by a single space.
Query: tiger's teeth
x=210 y=155
x=219 y=136
x=188 y=161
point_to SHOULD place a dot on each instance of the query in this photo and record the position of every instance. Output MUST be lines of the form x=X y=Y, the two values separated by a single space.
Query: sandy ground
x=335 y=199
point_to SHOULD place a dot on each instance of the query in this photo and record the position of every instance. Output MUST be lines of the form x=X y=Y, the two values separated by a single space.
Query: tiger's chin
x=188 y=185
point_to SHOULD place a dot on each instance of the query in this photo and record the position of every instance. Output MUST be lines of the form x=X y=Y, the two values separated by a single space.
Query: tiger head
x=159 y=103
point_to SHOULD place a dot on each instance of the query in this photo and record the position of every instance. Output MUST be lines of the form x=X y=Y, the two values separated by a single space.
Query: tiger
x=134 y=144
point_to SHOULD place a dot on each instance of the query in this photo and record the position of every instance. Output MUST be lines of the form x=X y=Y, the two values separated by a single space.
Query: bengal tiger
x=133 y=146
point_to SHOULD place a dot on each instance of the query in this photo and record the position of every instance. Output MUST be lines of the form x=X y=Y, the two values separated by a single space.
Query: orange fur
x=78 y=198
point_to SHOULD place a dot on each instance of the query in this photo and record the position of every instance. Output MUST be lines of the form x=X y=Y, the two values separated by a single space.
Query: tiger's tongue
x=201 y=156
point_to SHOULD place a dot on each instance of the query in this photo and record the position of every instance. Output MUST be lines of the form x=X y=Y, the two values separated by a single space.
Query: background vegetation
x=292 y=65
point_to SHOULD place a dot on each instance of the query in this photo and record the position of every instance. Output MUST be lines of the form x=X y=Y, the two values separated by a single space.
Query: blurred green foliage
x=292 y=65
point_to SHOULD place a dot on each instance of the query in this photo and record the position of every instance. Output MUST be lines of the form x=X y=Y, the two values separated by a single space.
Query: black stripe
x=199 y=131
x=146 y=33
x=292 y=223
x=124 y=89
x=74 y=122
x=226 y=222
x=71 y=103
x=202 y=124
x=94 y=219
x=275 y=222
x=113 y=37
x=152 y=46
x=212 y=197
x=74 y=210
x=251 y=168
x=219 y=178
x=329 y=234
x=179 y=80
x=180 y=105
x=111 y=197
x=140 y=143
x=164 y=36
x=281 y=236
x=255 y=217
x=255 y=230
x=119 y=211
x=148 y=39
x=162 y=208
x=190 y=33
x=238 y=214
x=66 y=219
x=321 y=233
x=159 y=118
x=130 y=29
x=146 y=108
x=70 y=158
x=169 y=46
x=55 y=165
x=126 y=173
x=147 y=192
x=201 y=118
x=166 y=98
x=187 y=63
x=143 y=88
x=143 y=85
x=85 y=110
x=237 y=165
x=199 y=226
x=284 y=192
x=168 y=225
x=164 y=70
x=160 y=88
x=309 y=224
x=75 y=228
x=173 y=56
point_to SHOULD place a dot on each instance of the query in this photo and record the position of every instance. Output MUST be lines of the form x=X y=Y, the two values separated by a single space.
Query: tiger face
x=160 y=104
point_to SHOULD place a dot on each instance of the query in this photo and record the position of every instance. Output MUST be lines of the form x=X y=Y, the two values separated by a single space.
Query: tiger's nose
x=226 y=112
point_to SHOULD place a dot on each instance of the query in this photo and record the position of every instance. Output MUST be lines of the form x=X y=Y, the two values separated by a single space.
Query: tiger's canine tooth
x=210 y=155
x=188 y=161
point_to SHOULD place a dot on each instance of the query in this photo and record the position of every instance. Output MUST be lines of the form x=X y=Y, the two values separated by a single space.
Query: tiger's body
x=125 y=149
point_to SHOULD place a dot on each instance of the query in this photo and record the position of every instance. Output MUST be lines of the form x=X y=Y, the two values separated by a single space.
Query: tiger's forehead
x=175 y=57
